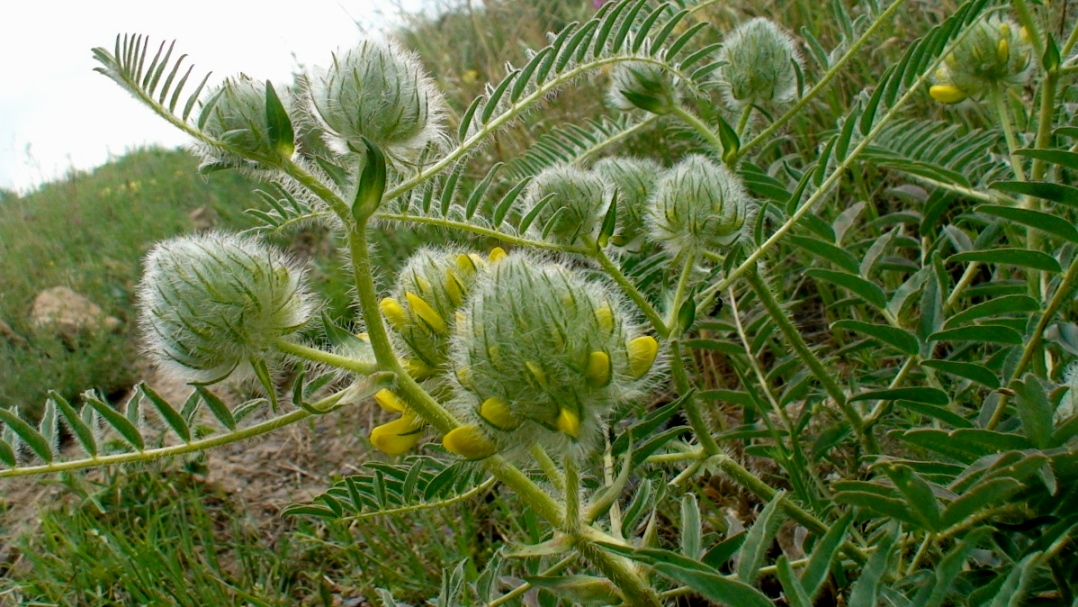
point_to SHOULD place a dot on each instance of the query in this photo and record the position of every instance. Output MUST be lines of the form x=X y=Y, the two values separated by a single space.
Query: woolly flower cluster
x=698 y=205
x=993 y=53
x=540 y=354
x=644 y=86
x=374 y=92
x=215 y=303
x=570 y=204
x=430 y=290
x=759 y=65
x=378 y=92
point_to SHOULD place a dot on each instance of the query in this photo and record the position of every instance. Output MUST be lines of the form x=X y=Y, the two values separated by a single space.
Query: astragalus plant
x=860 y=332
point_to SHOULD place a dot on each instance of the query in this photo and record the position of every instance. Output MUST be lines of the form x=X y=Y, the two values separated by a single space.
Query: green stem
x=768 y=134
x=701 y=127
x=625 y=574
x=627 y=287
x=1025 y=17
x=573 y=520
x=793 y=336
x=342 y=209
x=967 y=278
x=692 y=409
x=547 y=465
x=1062 y=293
x=764 y=491
x=1004 y=115
x=478 y=230
x=743 y=121
x=525 y=587
x=679 y=295
x=328 y=358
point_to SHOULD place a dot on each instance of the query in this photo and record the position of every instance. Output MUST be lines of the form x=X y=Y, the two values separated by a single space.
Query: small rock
x=69 y=314
x=9 y=334
x=203 y=218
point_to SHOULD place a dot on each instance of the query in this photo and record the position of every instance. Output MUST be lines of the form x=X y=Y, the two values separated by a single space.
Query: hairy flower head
x=543 y=355
x=698 y=205
x=633 y=180
x=235 y=115
x=759 y=64
x=645 y=86
x=574 y=204
x=994 y=52
x=213 y=302
x=377 y=91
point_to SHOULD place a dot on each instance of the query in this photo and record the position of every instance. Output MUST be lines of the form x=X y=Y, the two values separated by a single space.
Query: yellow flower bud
x=464 y=376
x=599 y=369
x=416 y=368
x=389 y=401
x=466 y=265
x=1023 y=35
x=454 y=287
x=642 y=353
x=398 y=436
x=364 y=336
x=568 y=422
x=536 y=373
x=605 y=316
x=946 y=93
x=497 y=412
x=469 y=442
x=426 y=313
x=1003 y=49
x=497 y=254
x=394 y=313
x=1005 y=30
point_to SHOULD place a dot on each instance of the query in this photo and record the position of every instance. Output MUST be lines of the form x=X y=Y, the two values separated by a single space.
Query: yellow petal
x=497 y=254
x=1005 y=30
x=469 y=442
x=495 y=354
x=363 y=336
x=422 y=284
x=394 y=313
x=952 y=60
x=464 y=376
x=599 y=369
x=466 y=265
x=642 y=353
x=605 y=316
x=536 y=373
x=568 y=422
x=389 y=401
x=1023 y=35
x=1003 y=50
x=426 y=313
x=416 y=368
x=497 y=412
x=946 y=93
x=454 y=287
x=398 y=436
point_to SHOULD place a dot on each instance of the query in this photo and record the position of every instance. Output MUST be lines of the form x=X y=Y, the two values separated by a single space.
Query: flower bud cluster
x=378 y=92
x=994 y=52
x=212 y=303
x=759 y=65
x=430 y=290
x=697 y=205
x=540 y=355
x=633 y=180
x=574 y=203
x=645 y=86
x=235 y=115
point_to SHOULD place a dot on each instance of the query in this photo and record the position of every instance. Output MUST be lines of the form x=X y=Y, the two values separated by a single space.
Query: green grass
x=89 y=232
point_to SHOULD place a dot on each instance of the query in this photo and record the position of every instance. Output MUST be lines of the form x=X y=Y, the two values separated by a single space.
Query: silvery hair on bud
x=379 y=91
x=211 y=303
x=759 y=64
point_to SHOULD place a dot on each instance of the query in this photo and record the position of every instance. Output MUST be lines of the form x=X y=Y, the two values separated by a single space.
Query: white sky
x=56 y=113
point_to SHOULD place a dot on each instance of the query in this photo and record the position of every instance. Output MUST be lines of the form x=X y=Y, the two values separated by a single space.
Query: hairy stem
x=327 y=358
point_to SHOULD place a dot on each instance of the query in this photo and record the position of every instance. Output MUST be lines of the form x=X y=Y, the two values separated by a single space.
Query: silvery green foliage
x=633 y=180
x=236 y=116
x=377 y=91
x=574 y=204
x=698 y=205
x=213 y=303
x=551 y=348
x=760 y=64
x=994 y=52
x=645 y=86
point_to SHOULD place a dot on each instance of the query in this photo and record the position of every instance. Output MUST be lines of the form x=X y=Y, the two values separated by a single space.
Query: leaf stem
x=328 y=358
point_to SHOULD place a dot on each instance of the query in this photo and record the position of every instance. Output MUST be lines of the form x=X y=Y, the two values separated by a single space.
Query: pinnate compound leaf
x=901 y=340
x=33 y=439
x=122 y=425
x=167 y=413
